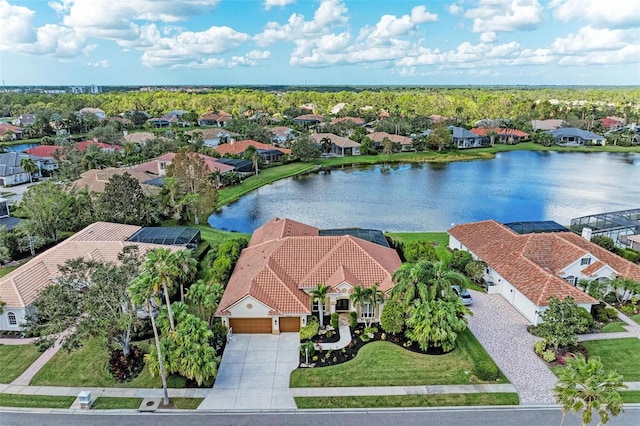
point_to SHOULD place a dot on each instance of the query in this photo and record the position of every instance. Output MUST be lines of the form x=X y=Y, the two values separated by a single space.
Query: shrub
x=628 y=309
x=329 y=334
x=599 y=313
x=459 y=260
x=365 y=337
x=334 y=320
x=309 y=330
x=612 y=313
x=372 y=330
x=539 y=346
x=631 y=255
x=486 y=370
x=587 y=317
x=549 y=355
x=126 y=368
x=610 y=298
x=353 y=319
x=392 y=318
x=307 y=348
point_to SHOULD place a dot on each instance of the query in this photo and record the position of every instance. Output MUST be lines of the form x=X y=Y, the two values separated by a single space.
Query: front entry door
x=342 y=305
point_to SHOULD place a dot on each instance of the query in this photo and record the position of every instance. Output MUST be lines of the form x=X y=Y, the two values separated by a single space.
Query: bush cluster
x=486 y=370
x=334 y=320
x=311 y=329
x=353 y=319
x=126 y=368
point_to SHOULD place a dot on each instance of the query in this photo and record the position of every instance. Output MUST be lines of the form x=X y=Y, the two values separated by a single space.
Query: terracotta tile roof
x=335 y=139
x=82 y=146
x=212 y=133
x=100 y=241
x=46 y=151
x=482 y=131
x=5 y=128
x=154 y=167
x=95 y=180
x=593 y=268
x=238 y=147
x=379 y=136
x=282 y=260
x=529 y=262
x=282 y=130
x=139 y=137
x=355 y=120
x=220 y=116
x=309 y=117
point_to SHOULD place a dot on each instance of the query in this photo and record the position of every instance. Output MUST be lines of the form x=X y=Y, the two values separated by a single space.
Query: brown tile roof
x=337 y=140
x=100 y=241
x=139 y=137
x=212 y=133
x=43 y=150
x=154 y=167
x=593 y=268
x=283 y=259
x=482 y=131
x=379 y=136
x=82 y=146
x=238 y=147
x=530 y=262
x=355 y=120
x=95 y=180
x=6 y=128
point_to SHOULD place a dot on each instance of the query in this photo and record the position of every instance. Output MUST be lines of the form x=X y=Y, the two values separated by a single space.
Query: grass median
x=440 y=400
x=35 y=401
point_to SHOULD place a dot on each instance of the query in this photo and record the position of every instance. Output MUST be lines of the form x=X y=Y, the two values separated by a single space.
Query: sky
x=319 y=42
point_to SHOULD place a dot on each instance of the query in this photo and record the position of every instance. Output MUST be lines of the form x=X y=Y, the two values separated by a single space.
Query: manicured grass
x=442 y=238
x=613 y=327
x=440 y=400
x=630 y=397
x=5 y=270
x=621 y=355
x=266 y=176
x=186 y=403
x=215 y=236
x=87 y=366
x=15 y=359
x=386 y=364
x=35 y=401
x=114 y=403
x=636 y=318
x=530 y=146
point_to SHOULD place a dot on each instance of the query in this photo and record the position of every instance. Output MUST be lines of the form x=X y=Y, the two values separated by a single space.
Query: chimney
x=586 y=233
x=126 y=133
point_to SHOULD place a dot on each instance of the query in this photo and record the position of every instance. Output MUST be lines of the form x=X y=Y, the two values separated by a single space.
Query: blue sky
x=317 y=42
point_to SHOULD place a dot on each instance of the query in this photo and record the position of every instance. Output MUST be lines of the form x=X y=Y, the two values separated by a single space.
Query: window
x=314 y=306
x=585 y=261
x=12 y=318
x=367 y=310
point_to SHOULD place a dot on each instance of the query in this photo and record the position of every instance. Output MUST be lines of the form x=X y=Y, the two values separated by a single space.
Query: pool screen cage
x=170 y=235
x=615 y=225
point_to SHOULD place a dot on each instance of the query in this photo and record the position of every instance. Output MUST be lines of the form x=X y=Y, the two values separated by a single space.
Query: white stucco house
x=528 y=269
x=269 y=289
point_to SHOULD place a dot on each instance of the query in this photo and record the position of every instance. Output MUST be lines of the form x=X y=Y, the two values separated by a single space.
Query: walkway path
x=632 y=327
x=401 y=390
x=25 y=378
x=10 y=341
x=502 y=330
x=345 y=339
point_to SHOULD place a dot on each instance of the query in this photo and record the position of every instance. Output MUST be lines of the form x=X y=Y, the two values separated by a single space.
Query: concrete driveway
x=254 y=373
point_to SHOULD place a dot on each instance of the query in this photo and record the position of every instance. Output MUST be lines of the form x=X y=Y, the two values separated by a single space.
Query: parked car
x=464 y=295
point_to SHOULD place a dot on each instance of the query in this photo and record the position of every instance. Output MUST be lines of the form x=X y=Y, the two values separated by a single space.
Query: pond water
x=515 y=186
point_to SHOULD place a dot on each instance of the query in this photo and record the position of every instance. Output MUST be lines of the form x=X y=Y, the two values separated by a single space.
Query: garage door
x=289 y=324
x=250 y=325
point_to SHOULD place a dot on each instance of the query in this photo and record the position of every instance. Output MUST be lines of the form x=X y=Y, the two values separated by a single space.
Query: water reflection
x=518 y=185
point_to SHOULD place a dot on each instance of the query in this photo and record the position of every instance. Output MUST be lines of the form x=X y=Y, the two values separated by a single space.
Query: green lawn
x=15 y=359
x=630 y=397
x=386 y=364
x=5 y=270
x=621 y=355
x=87 y=366
x=114 y=403
x=266 y=176
x=636 y=318
x=186 y=403
x=35 y=401
x=442 y=238
x=440 y=400
x=215 y=236
x=613 y=327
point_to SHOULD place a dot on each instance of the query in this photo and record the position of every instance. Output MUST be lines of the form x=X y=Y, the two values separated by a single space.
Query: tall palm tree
x=162 y=267
x=187 y=269
x=412 y=282
x=376 y=297
x=442 y=280
x=255 y=159
x=586 y=386
x=319 y=295
x=142 y=291
x=360 y=296
x=29 y=166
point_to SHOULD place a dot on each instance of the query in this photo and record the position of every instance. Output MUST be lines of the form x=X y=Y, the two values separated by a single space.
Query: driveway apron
x=502 y=330
x=254 y=373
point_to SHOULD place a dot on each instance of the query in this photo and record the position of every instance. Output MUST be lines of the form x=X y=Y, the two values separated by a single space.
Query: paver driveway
x=254 y=373
x=502 y=330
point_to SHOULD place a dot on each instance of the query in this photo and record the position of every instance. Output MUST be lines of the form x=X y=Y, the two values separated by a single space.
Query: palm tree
x=187 y=269
x=443 y=279
x=29 y=166
x=255 y=159
x=142 y=291
x=376 y=297
x=319 y=295
x=162 y=267
x=586 y=386
x=360 y=296
x=412 y=282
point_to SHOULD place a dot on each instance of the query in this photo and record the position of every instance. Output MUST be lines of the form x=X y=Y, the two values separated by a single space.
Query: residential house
x=546 y=124
x=96 y=179
x=340 y=146
x=159 y=165
x=100 y=114
x=100 y=241
x=506 y=136
x=24 y=120
x=529 y=269
x=140 y=138
x=573 y=136
x=10 y=132
x=309 y=120
x=282 y=135
x=613 y=123
x=214 y=137
x=104 y=147
x=6 y=221
x=462 y=138
x=356 y=121
x=632 y=242
x=218 y=119
x=268 y=153
x=269 y=289
x=10 y=171
x=406 y=143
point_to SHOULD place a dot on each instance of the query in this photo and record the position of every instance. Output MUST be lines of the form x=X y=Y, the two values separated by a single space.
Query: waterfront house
x=340 y=146
x=573 y=136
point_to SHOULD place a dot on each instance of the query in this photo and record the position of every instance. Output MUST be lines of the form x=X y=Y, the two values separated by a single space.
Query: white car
x=465 y=296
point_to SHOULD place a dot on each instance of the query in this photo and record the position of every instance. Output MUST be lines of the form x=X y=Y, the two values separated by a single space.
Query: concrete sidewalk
x=345 y=339
x=401 y=390
x=110 y=392
x=27 y=375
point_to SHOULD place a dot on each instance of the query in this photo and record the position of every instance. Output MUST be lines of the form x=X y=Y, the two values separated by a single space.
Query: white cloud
x=330 y=14
x=99 y=64
x=187 y=46
x=250 y=59
x=592 y=39
x=16 y=25
x=505 y=15
x=419 y=15
x=488 y=37
x=627 y=55
x=454 y=9
x=612 y=13
x=268 y=4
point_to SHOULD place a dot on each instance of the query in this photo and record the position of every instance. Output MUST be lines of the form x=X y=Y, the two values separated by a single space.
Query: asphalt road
x=467 y=417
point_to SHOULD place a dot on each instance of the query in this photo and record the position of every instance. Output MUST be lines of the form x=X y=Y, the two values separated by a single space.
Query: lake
x=515 y=186
x=21 y=147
